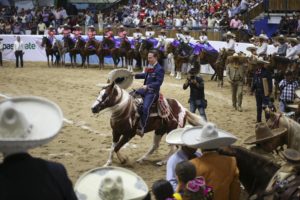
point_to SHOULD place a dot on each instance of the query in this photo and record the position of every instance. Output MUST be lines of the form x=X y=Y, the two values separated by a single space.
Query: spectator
x=197 y=97
x=244 y=6
x=162 y=190
x=41 y=28
x=282 y=46
x=262 y=86
x=19 y=51
x=35 y=178
x=236 y=23
x=287 y=87
x=263 y=45
x=220 y=172
x=236 y=73
x=294 y=50
x=17 y=28
x=182 y=154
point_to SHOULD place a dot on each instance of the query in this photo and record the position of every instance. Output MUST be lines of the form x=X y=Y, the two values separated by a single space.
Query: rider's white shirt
x=292 y=53
x=137 y=35
x=203 y=38
x=149 y=34
x=262 y=49
x=231 y=44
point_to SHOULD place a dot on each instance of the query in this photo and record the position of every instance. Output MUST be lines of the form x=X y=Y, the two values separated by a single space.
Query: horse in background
x=292 y=138
x=128 y=53
x=108 y=48
x=90 y=49
x=124 y=119
x=78 y=49
x=220 y=66
x=51 y=50
x=144 y=49
x=68 y=44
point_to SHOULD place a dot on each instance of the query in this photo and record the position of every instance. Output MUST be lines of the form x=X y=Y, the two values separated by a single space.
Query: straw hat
x=260 y=60
x=110 y=183
x=291 y=155
x=263 y=36
x=263 y=133
x=122 y=77
x=163 y=31
x=229 y=34
x=77 y=26
x=208 y=137
x=251 y=48
x=294 y=40
x=174 y=137
x=280 y=38
x=28 y=122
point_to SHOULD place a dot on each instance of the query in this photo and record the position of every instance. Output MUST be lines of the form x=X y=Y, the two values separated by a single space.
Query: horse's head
x=108 y=42
x=45 y=41
x=170 y=48
x=125 y=44
x=107 y=97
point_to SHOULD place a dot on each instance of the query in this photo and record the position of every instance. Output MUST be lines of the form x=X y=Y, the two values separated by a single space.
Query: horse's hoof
x=108 y=163
x=161 y=163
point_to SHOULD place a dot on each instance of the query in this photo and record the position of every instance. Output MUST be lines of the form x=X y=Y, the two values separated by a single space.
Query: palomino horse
x=78 y=49
x=256 y=173
x=51 y=50
x=128 y=53
x=292 y=138
x=90 y=49
x=124 y=119
x=108 y=48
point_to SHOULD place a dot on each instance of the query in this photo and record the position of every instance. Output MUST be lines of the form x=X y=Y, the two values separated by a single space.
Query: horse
x=78 y=49
x=68 y=44
x=108 y=48
x=124 y=119
x=90 y=49
x=127 y=52
x=257 y=173
x=51 y=50
x=206 y=57
x=292 y=138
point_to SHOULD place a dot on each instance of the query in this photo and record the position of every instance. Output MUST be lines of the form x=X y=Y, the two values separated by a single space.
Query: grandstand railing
x=284 y=5
x=253 y=12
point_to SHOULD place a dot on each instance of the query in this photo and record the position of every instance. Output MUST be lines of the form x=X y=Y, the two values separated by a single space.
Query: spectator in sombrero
x=223 y=178
x=26 y=123
x=182 y=154
x=263 y=45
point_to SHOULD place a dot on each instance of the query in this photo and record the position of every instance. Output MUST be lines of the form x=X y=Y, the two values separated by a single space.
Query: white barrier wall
x=34 y=51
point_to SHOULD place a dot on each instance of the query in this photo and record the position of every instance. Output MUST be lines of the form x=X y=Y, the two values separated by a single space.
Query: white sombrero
x=174 y=137
x=122 y=77
x=229 y=33
x=263 y=36
x=208 y=137
x=297 y=92
x=28 y=122
x=110 y=183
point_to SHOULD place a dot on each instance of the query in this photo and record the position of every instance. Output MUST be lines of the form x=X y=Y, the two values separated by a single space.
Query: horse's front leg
x=124 y=139
x=155 y=145
x=111 y=154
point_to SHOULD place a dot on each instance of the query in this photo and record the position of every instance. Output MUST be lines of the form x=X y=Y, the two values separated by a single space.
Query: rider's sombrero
x=28 y=122
x=162 y=31
x=230 y=34
x=122 y=77
x=263 y=37
x=291 y=155
x=66 y=26
x=174 y=137
x=294 y=40
x=51 y=28
x=280 y=38
x=77 y=26
x=91 y=27
x=113 y=183
x=251 y=48
x=259 y=60
x=263 y=134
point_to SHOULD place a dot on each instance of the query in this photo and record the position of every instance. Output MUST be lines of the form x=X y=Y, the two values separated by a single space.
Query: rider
x=137 y=35
x=154 y=77
x=161 y=40
x=203 y=39
x=122 y=33
x=91 y=37
x=51 y=35
x=179 y=34
x=293 y=51
x=77 y=32
x=109 y=33
x=263 y=45
x=282 y=46
x=230 y=40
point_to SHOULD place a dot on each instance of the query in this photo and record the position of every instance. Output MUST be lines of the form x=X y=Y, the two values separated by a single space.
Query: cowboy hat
x=251 y=48
x=77 y=26
x=263 y=36
x=110 y=183
x=229 y=34
x=293 y=40
x=291 y=155
x=260 y=60
x=280 y=37
x=293 y=106
x=174 y=137
x=263 y=133
x=66 y=26
x=297 y=92
x=28 y=122
x=207 y=137
x=122 y=77
x=163 y=31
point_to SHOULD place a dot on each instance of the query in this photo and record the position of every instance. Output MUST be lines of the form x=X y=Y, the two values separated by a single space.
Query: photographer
x=197 y=97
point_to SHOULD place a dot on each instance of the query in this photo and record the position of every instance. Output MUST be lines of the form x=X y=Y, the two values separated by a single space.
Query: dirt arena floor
x=85 y=140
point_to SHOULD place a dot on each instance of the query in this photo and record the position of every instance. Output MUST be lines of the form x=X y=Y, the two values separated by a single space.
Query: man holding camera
x=197 y=97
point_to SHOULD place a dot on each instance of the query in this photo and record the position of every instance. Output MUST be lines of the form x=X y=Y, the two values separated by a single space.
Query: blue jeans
x=198 y=104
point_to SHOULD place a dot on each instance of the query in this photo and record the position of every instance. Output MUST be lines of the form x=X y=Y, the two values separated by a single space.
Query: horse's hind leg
x=155 y=145
x=171 y=151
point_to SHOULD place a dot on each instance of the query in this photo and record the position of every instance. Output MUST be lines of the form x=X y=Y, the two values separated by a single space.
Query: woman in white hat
x=220 y=172
x=25 y=123
x=263 y=45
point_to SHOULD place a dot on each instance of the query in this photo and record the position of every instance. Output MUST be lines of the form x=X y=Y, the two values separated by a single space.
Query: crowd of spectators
x=290 y=25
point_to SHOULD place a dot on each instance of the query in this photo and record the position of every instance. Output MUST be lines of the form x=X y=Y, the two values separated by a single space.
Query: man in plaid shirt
x=287 y=87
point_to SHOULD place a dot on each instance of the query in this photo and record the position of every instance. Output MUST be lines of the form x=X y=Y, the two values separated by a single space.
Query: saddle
x=160 y=107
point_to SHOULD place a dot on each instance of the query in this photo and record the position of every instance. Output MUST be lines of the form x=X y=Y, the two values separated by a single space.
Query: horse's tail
x=194 y=119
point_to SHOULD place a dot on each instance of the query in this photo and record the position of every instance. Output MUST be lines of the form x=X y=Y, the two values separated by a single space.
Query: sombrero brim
x=251 y=48
x=276 y=132
x=174 y=137
x=294 y=106
x=122 y=77
x=297 y=92
x=192 y=137
x=88 y=184
x=291 y=155
x=45 y=117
